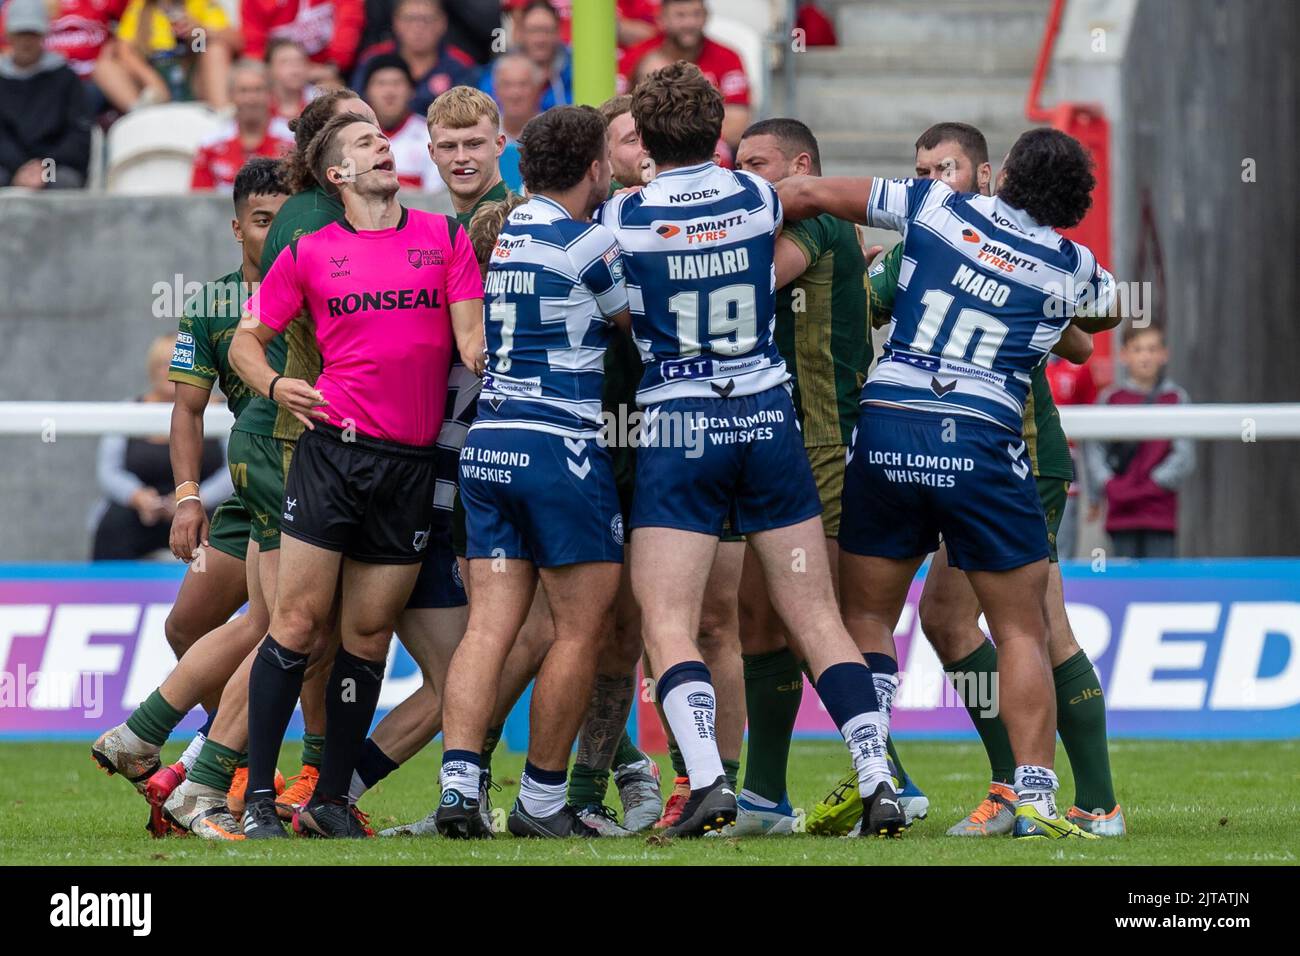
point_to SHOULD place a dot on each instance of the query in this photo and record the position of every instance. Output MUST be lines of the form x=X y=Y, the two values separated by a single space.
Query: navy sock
x=373 y=764
x=351 y=696
x=274 y=684
x=207 y=726
x=880 y=663
x=847 y=690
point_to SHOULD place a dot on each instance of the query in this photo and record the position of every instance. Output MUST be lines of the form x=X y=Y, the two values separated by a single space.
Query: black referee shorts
x=372 y=500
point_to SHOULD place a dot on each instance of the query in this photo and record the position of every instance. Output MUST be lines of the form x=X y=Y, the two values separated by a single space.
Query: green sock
x=1081 y=722
x=215 y=766
x=587 y=785
x=896 y=760
x=154 y=720
x=489 y=746
x=627 y=752
x=978 y=669
x=675 y=755
x=243 y=759
x=313 y=746
x=773 y=690
x=731 y=770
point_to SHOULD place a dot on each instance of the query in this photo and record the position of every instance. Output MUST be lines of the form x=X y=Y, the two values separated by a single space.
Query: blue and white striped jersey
x=984 y=292
x=551 y=287
x=698 y=243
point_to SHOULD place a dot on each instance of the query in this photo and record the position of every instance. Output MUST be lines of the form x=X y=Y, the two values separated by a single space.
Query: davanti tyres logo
x=970 y=235
x=667 y=231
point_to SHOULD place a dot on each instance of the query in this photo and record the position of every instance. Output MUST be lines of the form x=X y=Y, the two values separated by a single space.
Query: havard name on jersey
x=984 y=292
x=551 y=287
x=698 y=244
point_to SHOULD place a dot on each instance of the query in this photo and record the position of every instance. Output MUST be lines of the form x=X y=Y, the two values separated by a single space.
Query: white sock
x=866 y=735
x=689 y=709
x=541 y=799
x=134 y=741
x=357 y=788
x=886 y=688
x=461 y=776
x=192 y=752
x=1036 y=787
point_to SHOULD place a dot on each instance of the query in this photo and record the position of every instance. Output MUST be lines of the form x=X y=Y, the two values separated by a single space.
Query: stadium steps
x=905 y=64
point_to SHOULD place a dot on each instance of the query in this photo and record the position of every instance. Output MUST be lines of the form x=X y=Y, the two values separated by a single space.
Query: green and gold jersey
x=202 y=354
x=821 y=331
x=498 y=193
x=294 y=353
x=1049 y=451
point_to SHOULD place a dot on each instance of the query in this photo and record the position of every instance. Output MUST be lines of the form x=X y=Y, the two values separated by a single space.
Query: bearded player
x=957 y=154
x=939 y=450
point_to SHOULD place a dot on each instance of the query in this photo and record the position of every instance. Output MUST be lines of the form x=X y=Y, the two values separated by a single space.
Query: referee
x=384 y=289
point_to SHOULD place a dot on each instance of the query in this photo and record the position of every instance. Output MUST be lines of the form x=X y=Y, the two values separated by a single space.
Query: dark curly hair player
x=993 y=287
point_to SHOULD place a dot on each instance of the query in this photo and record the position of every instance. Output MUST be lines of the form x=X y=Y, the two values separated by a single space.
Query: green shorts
x=258 y=466
x=228 y=529
x=828 y=462
x=1053 y=493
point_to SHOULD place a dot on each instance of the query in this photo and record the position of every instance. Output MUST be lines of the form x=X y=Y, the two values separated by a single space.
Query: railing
x=1260 y=422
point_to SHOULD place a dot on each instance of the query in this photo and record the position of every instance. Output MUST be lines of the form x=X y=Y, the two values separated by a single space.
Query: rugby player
x=992 y=289
x=699 y=244
x=957 y=154
x=823 y=339
x=200 y=360
x=359 y=494
x=538 y=489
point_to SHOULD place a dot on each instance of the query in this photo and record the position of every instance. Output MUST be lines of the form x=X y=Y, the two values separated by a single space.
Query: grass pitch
x=1188 y=803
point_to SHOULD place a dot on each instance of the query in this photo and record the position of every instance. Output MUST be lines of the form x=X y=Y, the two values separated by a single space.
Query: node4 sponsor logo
x=77 y=909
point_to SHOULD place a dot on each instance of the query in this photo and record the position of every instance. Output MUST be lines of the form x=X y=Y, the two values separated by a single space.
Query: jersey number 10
x=969 y=321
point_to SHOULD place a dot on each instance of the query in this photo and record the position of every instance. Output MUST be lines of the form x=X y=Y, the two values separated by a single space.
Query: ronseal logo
x=76 y=909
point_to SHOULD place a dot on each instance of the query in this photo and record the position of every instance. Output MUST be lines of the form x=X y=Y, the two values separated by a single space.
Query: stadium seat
x=150 y=150
x=748 y=40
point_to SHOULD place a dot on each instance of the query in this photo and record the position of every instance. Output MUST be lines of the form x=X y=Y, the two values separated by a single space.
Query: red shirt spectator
x=79 y=29
x=720 y=64
x=223 y=154
x=253 y=131
x=328 y=30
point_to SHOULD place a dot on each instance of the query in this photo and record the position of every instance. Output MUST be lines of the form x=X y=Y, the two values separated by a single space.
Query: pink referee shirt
x=380 y=303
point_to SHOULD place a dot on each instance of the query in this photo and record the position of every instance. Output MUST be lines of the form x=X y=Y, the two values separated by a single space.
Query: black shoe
x=459 y=818
x=706 y=810
x=261 y=822
x=563 y=824
x=327 y=818
x=883 y=813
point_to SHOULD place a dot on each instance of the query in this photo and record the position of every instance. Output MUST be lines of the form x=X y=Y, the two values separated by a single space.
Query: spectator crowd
x=66 y=65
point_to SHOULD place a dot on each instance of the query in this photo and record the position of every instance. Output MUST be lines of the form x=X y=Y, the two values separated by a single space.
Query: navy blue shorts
x=906 y=485
x=439 y=583
x=539 y=497
x=703 y=462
